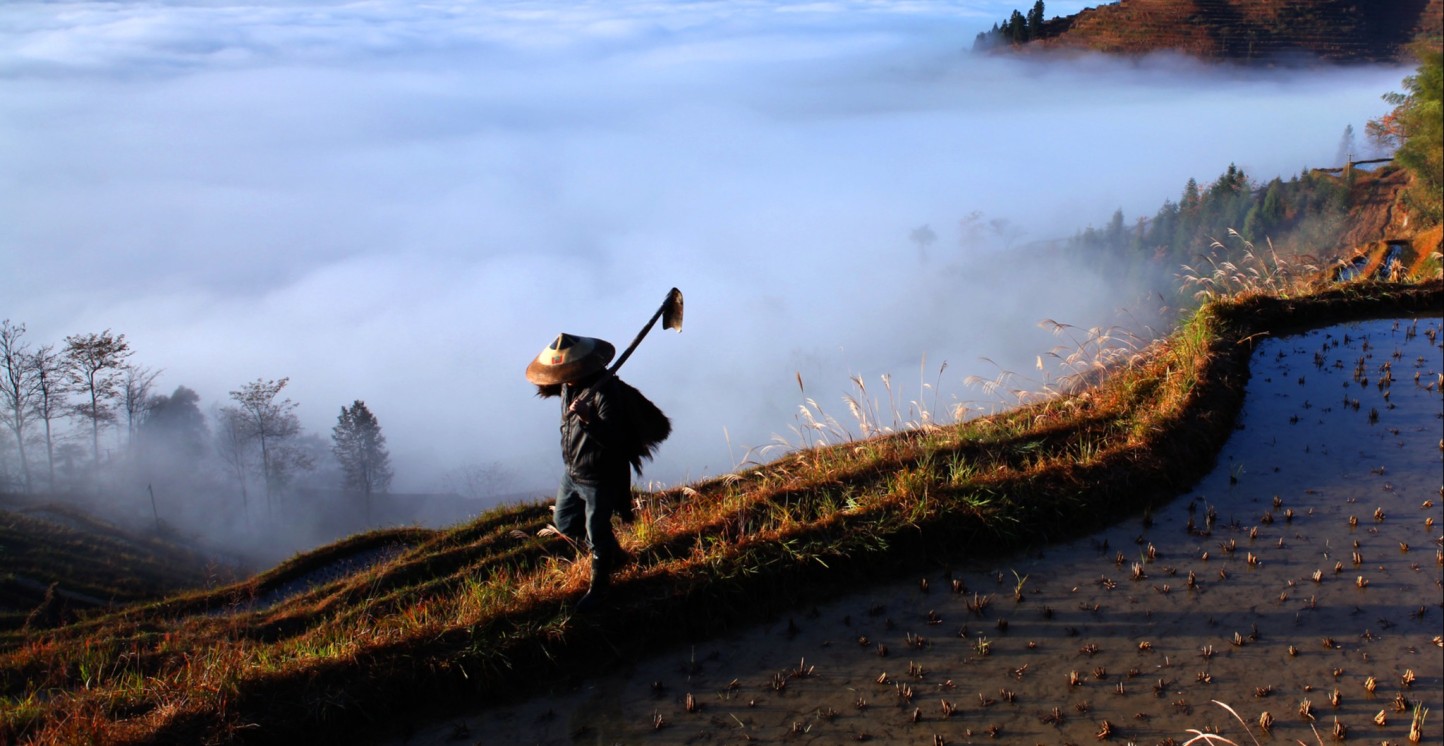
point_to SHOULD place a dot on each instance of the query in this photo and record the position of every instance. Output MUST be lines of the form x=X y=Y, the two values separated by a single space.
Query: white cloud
x=402 y=202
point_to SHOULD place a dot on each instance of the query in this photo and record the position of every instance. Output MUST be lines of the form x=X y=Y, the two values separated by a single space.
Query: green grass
x=483 y=609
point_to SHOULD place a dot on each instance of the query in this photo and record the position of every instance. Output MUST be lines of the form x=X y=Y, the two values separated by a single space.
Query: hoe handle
x=671 y=314
x=671 y=308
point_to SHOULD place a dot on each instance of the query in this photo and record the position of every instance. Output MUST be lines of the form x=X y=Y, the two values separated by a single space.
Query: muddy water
x=1247 y=591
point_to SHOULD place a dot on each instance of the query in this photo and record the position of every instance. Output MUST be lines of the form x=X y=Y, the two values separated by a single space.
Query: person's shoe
x=601 y=586
x=591 y=601
x=618 y=559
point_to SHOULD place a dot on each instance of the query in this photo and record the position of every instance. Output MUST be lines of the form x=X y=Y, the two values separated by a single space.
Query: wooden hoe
x=671 y=315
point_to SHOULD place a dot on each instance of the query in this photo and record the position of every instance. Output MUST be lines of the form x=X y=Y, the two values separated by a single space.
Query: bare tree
x=233 y=447
x=269 y=424
x=135 y=398
x=94 y=364
x=17 y=389
x=52 y=393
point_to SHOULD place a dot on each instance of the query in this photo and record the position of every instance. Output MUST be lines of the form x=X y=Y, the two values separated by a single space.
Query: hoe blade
x=672 y=310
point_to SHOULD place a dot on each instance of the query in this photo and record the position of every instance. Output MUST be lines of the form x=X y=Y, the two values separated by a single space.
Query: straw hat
x=569 y=358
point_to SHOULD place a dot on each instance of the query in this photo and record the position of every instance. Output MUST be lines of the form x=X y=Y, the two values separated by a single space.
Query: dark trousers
x=584 y=511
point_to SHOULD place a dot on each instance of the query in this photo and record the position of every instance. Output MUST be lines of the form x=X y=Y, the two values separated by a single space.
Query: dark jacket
x=594 y=451
x=624 y=428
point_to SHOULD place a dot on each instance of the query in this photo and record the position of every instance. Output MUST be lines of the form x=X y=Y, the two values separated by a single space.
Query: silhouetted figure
x=607 y=428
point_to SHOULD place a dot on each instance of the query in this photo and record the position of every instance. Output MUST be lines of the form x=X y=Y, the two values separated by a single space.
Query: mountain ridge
x=1250 y=31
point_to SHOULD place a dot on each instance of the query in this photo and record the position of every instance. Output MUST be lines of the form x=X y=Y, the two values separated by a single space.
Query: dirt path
x=1303 y=566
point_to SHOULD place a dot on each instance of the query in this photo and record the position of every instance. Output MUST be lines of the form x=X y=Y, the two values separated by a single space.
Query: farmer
x=607 y=427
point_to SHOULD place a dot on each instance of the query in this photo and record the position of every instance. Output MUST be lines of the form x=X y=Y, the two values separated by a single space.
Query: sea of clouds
x=403 y=202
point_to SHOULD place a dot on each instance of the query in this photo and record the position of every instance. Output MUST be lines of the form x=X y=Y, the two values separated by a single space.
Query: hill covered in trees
x=82 y=425
x=1320 y=221
x=1313 y=222
x=1255 y=31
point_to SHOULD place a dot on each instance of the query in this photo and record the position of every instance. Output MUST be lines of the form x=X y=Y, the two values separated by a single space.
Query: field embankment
x=1128 y=634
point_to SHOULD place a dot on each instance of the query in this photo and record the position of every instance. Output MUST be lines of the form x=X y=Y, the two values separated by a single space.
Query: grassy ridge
x=58 y=564
x=429 y=619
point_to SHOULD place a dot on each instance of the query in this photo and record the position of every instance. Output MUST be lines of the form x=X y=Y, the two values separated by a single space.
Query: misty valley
x=246 y=477
x=1052 y=372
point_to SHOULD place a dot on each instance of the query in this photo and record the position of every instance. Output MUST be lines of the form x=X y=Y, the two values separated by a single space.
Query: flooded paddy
x=1301 y=579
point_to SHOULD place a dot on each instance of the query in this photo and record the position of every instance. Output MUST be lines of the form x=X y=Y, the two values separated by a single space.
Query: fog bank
x=403 y=203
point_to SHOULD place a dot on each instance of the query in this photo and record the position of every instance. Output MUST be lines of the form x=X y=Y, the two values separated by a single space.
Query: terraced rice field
x=1299 y=583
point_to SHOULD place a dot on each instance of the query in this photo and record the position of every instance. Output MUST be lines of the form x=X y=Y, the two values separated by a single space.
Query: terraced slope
x=363 y=635
x=58 y=564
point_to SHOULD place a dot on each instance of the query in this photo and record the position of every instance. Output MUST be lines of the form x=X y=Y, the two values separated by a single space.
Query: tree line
x=1220 y=222
x=1416 y=127
x=1233 y=215
x=1019 y=28
x=59 y=400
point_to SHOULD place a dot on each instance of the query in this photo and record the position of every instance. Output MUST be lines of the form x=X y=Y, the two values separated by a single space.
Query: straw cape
x=569 y=358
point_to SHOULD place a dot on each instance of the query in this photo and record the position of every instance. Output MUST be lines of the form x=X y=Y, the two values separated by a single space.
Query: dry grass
x=51 y=575
x=431 y=619
x=1255 y=272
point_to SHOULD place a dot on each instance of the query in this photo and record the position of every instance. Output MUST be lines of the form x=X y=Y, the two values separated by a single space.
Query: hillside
x=114 y=638
x=367 y=636
x=58 y=564
x=383 y=629
x=1255 y=31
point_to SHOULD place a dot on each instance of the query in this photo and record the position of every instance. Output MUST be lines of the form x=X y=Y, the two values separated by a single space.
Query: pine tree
x=1190 y=214
x=1189 y=203
x=1035 y=20
x=361 y=449
x=1017 y=28
x=1114 y=234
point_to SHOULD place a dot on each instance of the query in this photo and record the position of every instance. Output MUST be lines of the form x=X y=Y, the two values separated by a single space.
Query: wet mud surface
x=1306 y=568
